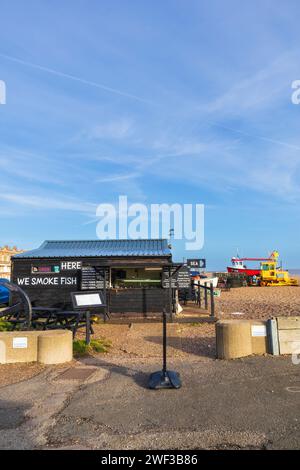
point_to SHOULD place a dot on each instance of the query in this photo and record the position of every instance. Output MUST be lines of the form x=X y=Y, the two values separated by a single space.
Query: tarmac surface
x=103 y=403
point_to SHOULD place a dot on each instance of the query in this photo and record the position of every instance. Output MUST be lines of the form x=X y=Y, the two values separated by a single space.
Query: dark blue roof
x=95 y=248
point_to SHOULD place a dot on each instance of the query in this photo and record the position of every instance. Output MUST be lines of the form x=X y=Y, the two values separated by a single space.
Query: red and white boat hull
x=247 y=271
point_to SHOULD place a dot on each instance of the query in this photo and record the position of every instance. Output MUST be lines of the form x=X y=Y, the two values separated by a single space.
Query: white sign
x=258 y=330
x=47 y=281
x=70 y=265
x=88 y=299
x=20 y=343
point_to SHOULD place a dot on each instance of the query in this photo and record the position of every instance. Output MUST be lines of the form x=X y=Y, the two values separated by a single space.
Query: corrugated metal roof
x=94 y=248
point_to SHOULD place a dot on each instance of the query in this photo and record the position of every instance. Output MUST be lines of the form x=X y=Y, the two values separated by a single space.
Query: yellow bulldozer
x=272 y=275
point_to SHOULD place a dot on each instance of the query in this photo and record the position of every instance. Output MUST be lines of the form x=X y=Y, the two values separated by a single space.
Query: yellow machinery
x=271 y=275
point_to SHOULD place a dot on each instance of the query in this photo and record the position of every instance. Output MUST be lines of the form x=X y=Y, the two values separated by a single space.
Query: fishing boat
x=238 y=264
x=205 y=280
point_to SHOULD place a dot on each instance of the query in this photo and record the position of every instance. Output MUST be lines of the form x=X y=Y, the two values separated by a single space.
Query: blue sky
x=174 y=101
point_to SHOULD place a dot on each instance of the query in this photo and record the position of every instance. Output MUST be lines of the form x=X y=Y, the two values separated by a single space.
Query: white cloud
x=116 y=178
x=73 y=77
x=118 y=129
x=259 y=90
x=42 y=202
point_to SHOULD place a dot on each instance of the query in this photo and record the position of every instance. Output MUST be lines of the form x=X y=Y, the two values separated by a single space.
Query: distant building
x=5 y=260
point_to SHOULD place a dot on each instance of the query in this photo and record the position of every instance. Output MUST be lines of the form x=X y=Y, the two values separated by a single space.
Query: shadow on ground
x=12 y=414
x=139 y=377
x=202 y=346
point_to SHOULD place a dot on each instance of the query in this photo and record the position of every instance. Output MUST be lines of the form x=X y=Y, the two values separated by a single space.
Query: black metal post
x=205 y=297
x=164 y=343
x=212 y=300
x=108 y=293
x=164 y=378
x=199 y=295
x=170 y=295
x=105 y=294
x=88 y=327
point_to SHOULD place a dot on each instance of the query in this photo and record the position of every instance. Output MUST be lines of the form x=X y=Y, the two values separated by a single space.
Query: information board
x=89 y=300
x=179 y=280
x=92 y=278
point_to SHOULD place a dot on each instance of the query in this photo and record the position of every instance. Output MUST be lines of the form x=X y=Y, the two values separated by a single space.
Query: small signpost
x=175 y=276
x=88 y=300
x=196 y=263
x=164 y=378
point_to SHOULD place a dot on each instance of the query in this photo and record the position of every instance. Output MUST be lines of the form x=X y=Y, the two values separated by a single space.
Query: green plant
x=5 y=325
x=79 y=347
x=101 y=345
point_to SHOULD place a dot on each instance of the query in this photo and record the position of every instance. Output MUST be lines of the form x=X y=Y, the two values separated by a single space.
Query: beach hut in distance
x=133 y=272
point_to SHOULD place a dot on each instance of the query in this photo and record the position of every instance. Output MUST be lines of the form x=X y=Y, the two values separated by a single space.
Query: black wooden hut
x=132 y=271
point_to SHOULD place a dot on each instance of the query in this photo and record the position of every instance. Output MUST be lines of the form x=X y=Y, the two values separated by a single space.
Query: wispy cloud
x=259 y=90
x=254 y=136
x=49 y=202
x=117 y=129
x=117 y=178
x=29 y=167
x=75 y=78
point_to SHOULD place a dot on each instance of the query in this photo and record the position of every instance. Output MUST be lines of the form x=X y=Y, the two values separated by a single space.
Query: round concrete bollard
x=55 y=347
x=233 y=338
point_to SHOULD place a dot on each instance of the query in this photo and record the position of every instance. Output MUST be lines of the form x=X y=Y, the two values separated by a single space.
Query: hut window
x=136 y=277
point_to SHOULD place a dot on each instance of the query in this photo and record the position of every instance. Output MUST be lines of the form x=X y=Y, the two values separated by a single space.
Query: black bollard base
x=160 y=380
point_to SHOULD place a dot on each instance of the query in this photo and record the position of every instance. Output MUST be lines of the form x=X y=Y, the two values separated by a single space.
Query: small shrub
x=80 y=348
x=100 y=345
x=5 y=325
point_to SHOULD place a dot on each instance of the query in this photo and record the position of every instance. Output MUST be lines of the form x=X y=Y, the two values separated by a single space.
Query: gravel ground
x=144 y=340
x=12 y=373
x=259 y=302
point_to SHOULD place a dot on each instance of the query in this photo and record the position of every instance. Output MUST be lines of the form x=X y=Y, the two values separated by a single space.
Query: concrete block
x=291 y=323
x=259 y=338
x=55 y=347
x=18 y=346
x=47 y=347
x=289 y=347
x=233 y=338
x=288 y=335
x=289 y=341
